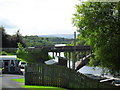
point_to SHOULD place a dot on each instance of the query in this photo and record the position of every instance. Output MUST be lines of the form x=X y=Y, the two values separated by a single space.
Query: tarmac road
x=8 y=84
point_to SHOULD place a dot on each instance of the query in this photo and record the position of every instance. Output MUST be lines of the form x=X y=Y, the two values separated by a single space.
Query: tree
x=17 y=38
x=5 y=37
x=98 y=23
x=32 y=56
x=9 y=41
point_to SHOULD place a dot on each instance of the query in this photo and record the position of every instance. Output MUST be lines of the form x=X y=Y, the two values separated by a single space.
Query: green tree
x=17 y=38
x=98 y=23
x=33 y=56
x=5 y=37
x=9 y=41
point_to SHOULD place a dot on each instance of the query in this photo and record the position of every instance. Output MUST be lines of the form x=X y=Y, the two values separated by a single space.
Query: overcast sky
x=36 y=17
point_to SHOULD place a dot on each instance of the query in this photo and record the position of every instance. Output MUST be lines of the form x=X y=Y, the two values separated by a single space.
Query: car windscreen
x=23 y=62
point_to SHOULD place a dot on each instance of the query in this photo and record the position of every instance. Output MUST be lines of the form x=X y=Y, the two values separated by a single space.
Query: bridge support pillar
x=73 y=60
x=53 y=54
x=56 y=53
x=66 y=55
x=59 y=54
x=69 y=58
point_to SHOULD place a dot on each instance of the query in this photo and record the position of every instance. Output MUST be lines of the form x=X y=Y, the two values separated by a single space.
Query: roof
x=6 y=57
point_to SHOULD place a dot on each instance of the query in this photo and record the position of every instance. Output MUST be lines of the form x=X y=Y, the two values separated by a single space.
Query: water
x=84 y=70
x=61 y=54
x=90 y=70
x=60 y=44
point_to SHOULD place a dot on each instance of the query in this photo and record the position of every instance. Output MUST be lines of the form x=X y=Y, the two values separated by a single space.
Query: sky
x=37 y=17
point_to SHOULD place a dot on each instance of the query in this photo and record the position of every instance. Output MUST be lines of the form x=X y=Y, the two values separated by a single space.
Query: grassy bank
x=0 y=70
x=21 y=80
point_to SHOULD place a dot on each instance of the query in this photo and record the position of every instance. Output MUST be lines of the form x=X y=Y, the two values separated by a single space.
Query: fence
x=59 y=76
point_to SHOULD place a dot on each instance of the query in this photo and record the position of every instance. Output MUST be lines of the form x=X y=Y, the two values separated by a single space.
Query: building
x=9 y=64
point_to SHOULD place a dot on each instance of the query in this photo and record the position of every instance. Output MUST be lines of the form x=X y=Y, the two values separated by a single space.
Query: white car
x=22 y=64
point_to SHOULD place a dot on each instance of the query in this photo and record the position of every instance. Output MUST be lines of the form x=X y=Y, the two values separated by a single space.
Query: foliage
x=10 y=41
x=38 y=56
x=5 y=37
x=98 y=25
x=32 y=55
x=3 y=53
x=36 y=41
x=21 y=50
x=17 y=38
x=7 y=53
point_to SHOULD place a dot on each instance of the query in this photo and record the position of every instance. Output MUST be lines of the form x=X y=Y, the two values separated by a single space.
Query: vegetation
x=32 y=56
x=3 y=53
x=19 y=41
x=21 y=80
x=10 y=41
x=36 y=41
x=0 y=70
x=43 y=87
x=98 y=25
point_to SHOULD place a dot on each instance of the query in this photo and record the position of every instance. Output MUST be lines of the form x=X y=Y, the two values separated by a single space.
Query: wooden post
x=56 y=53
x=69 y=58
x=59 y=54
x=74 y=53
x=53 y=54
x=66 y=55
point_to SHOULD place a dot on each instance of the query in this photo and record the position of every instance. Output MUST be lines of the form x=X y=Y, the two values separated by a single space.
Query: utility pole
x=74 y=52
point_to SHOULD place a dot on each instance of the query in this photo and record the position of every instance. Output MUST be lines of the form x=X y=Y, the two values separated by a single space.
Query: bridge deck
x=56 y=48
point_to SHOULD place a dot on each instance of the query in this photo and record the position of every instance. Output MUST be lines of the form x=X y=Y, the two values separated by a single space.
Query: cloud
x=7 y=24
x=37 y=16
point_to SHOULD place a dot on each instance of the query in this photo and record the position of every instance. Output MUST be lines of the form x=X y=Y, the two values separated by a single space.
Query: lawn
x=0 y=70
x=21 y=80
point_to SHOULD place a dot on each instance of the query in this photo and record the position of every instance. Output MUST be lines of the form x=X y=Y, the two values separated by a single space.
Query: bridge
x=72 y=53
x=55 y=48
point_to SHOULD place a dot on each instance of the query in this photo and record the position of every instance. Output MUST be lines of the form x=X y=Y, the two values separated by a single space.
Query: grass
x=42 y=87
x=0 y=70
x=21 y=80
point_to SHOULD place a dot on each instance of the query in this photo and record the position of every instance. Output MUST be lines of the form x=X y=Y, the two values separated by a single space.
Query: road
x=8 y=84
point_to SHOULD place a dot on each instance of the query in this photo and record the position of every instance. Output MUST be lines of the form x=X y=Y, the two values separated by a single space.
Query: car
x=22 y=64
